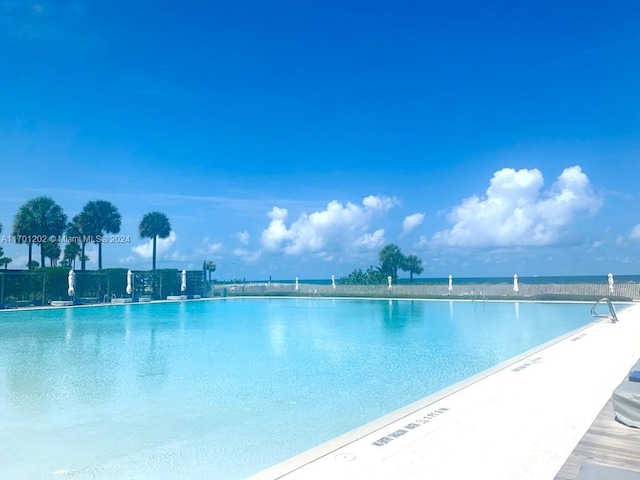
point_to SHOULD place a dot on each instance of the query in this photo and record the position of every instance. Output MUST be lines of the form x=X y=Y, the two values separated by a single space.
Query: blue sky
x=297 y=138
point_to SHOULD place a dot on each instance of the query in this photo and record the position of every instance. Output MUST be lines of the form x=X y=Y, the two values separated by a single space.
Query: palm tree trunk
x=410 y=276
x=99 y=255
x=30 y=256
x=154 y=251
x=42 y=264
x=82 y=258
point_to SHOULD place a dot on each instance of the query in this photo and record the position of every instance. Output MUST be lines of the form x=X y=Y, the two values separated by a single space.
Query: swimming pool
x=223 y=389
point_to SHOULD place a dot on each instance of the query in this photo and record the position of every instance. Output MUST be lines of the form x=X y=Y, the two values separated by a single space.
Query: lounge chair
x=626 y=403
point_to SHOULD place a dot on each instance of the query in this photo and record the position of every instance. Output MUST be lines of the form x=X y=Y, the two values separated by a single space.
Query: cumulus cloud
x=516 y=211
x=127 y=260
x=22 y=260
x=371 y=241
x=178 y=257
x=92 y=254
x=205 y=248
x=412 y=221
x=145 y=250
x=422 y=242
x=213 y=247
x=249 y=256
x=635 y=233
x=377 y=202
x=243 y=237
x=338 y=226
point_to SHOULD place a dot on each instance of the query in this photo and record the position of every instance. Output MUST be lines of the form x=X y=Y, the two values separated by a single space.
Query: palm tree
x=52 y=251
x=154 y=225
x=101 y=217
x=84 y=259
x=40 y=217
x=210 y=267
x=71 y=252
x=412 y=264
x=79 y=230
x=391 y=258
x=25 y=228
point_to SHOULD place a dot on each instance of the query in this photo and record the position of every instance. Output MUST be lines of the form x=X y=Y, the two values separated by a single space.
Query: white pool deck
x=520 y=420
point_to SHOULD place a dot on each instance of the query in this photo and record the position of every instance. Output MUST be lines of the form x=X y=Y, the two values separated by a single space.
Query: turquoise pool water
x=223 y=389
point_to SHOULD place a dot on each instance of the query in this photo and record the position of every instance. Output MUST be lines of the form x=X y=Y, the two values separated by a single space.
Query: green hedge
x=43 y=285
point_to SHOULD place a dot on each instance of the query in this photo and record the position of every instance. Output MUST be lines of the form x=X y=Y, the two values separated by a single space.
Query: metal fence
x=629 y=290
x=40 y=287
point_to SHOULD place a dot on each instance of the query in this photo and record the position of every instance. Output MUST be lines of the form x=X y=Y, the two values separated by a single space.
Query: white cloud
x=178 y=257
x=377 y=202
x=635 y=233
x=145 y=250
x=247 y=255
x=276 y=233
x=515 y=210
x=205 y=249
x=423 y=242
x=412 y=221
x=214 y=247
x=22 y=260
x=243 y=237
x=92 y=254
x=371 y=241
x=338 y=226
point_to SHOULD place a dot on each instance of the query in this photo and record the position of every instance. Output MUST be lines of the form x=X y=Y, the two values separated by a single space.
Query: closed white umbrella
x=129 y=282
x=515 y=283
x=183 y=285
x=72 y=283
x=297 y=286
x=450 y=284
x=333 y=281
x=610 y=276
x=389 y=280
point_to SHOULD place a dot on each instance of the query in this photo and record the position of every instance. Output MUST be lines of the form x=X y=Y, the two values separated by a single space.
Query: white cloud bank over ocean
x=517 y=211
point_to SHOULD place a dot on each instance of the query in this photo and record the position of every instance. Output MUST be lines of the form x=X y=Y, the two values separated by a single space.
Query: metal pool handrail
x=613 y=317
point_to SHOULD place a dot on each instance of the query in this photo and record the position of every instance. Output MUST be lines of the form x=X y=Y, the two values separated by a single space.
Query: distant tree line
x=41 y=219
x=391 y=260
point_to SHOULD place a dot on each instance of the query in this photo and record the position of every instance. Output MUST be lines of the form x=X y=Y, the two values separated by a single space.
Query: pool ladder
x=612 y=315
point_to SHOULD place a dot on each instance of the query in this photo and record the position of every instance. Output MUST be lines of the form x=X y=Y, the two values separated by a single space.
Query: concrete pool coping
x=551 y=393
